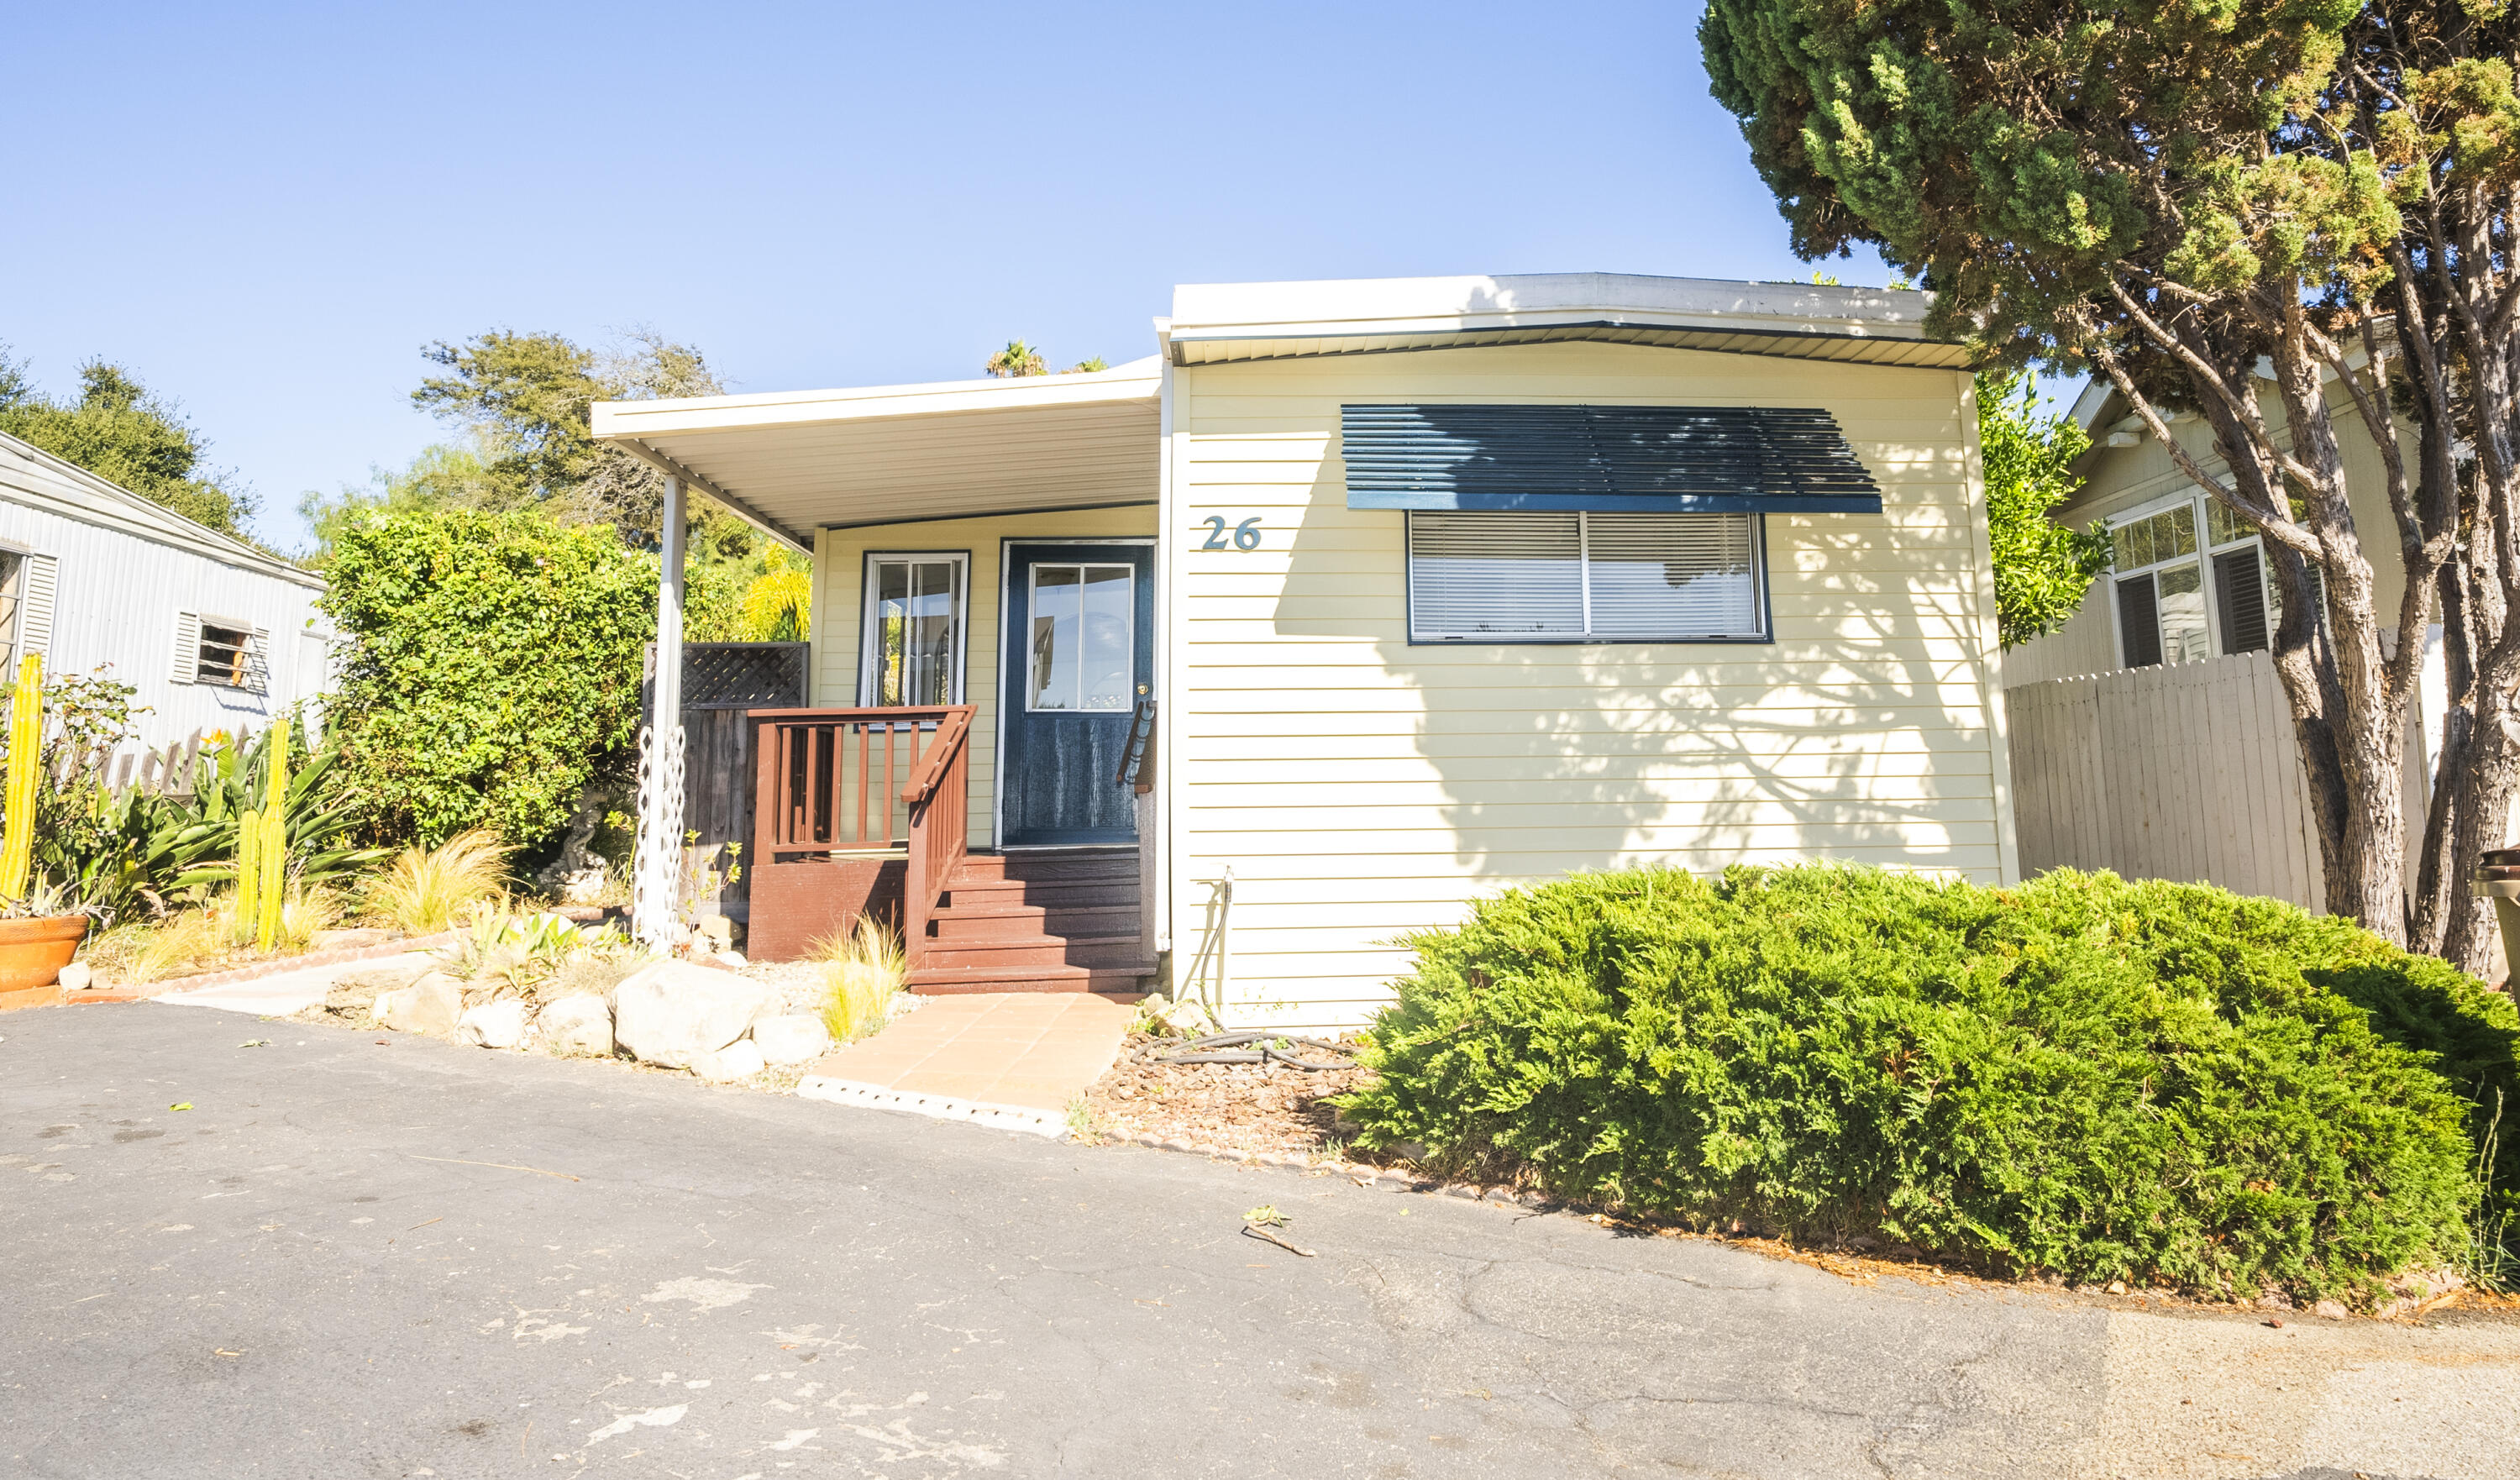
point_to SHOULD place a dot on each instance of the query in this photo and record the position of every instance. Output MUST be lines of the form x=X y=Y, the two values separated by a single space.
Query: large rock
x=581 y=1023
x=431 y=1004
x=670 y=1012
x=790 y=1039
x=493 y=1024
x=740 y=1059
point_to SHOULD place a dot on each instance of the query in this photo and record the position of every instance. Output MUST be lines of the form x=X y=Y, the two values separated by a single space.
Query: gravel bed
x=799 y=983
x=1238 y=1108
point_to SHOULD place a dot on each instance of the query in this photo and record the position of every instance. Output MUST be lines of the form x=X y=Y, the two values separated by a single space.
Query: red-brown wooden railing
x=859 y=780
x=939 y=799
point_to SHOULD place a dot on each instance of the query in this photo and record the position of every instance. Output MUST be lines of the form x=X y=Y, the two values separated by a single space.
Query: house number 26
x=1247 y=535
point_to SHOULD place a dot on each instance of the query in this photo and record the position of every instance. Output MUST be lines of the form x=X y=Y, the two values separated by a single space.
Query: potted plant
x=39 y=933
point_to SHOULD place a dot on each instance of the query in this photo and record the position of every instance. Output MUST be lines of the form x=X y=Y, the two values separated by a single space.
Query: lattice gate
x=721 y=680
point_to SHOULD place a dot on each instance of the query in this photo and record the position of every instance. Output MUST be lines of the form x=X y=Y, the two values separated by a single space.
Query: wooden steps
x=1049 y=921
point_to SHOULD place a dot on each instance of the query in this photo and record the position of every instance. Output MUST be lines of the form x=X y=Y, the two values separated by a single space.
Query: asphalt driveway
x=347 y=1259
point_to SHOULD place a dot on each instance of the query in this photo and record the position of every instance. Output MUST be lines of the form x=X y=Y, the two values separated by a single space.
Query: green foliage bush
x=495 y=669
x=2082 y=1076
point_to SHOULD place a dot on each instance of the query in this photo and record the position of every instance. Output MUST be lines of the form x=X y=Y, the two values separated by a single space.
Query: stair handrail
x=937 y=797
x=951 y=731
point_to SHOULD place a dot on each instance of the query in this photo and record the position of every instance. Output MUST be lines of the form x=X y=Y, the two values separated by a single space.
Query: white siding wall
x=116 y=603
x=1360 y=786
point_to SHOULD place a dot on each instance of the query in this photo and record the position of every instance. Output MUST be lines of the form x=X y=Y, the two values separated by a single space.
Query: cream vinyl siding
x=839 y=611
x=1361 y=786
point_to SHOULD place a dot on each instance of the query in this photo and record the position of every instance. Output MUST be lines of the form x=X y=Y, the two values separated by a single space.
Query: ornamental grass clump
x=425 y=890
x=2165 y=1084
x=863 y=972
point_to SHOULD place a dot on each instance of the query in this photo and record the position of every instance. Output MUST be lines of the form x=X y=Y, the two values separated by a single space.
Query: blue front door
x=1079 y=652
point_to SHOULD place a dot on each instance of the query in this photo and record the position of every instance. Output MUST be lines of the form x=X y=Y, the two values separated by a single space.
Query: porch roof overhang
x=1222 y=322
x=794 y=462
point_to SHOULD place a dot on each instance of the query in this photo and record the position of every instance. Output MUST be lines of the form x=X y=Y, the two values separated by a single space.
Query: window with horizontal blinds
x=1586 y=577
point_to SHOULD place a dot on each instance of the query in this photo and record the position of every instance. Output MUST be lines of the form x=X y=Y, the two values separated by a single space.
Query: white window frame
x=257 y=652
x=1759 y=596
x=869 y=633
x=2210 y=582
x=1033 y=609
x=12 y=624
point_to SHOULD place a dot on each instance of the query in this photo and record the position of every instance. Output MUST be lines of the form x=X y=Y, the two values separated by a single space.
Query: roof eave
x=1209 y=344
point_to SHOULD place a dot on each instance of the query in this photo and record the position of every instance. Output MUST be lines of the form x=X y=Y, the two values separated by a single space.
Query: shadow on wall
x=1858 y=734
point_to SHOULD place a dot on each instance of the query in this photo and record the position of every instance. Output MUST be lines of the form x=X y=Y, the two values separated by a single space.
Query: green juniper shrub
x=2081 y=1076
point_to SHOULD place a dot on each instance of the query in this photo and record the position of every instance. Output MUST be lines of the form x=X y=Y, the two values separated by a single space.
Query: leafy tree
x=1022 y=359
x=442 y=475
x=1015 y=360
x=777 y=605
x=2171 y=198
x=122 y=433
x=526 y=399
x=2042 y=569
x=494 y=670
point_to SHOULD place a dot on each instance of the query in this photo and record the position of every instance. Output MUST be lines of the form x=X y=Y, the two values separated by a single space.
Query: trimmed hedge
x=2167 y=1083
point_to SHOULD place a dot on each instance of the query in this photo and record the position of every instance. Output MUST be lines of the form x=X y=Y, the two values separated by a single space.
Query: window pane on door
x=1108 y=663
x=1057 y=615
x=917 y=613
x=2183 y=613
x=1083 y=630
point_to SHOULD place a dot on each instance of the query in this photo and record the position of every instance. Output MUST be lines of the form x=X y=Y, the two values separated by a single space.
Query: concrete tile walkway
x=1027 y=1050
x=285 y=992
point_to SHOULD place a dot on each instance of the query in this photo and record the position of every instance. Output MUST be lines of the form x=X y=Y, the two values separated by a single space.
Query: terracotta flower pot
x=33 y=952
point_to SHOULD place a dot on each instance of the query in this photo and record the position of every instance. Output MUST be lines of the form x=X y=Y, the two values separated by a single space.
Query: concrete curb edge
x=1374 y=1176
x=1050 y=1124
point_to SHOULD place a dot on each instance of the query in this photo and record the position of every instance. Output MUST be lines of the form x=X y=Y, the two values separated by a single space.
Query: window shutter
x=188 y=648
x=35 y=618
x=2138 y=621
x=257 y=662
x=1496 y=575
x=2241 y=592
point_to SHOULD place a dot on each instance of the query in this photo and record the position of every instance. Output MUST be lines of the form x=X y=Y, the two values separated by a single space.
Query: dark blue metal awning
x=1660 y=459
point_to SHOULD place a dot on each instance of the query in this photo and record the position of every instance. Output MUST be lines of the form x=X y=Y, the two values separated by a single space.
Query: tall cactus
x=26 y=740
x=274 y=838
x=249 y=876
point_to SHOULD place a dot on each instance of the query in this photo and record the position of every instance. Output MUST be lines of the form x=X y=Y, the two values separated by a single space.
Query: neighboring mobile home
x=214 y=633
x=2190 y=583
x=1387 y=594
x=2152 y=736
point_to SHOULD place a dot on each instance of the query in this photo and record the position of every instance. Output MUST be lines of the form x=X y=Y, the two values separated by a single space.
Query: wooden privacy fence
x=720 y=682
x=2187 y=772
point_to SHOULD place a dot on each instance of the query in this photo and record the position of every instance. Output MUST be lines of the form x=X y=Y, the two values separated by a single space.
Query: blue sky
x=265 y=211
